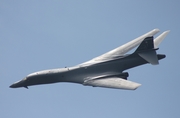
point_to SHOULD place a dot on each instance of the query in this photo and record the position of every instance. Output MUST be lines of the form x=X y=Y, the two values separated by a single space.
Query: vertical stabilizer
x=147 y=52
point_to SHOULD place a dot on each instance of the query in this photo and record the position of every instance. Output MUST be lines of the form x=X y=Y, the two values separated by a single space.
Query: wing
x=122 y=49
x=112 y=82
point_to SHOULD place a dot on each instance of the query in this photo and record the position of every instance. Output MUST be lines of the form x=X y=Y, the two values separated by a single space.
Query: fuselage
x=80 y=73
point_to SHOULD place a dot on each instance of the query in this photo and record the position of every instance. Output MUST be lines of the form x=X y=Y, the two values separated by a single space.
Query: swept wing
x=122 y=49
x=112 y=82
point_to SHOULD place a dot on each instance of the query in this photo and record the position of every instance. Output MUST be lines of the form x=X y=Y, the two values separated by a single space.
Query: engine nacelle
x=124 y=75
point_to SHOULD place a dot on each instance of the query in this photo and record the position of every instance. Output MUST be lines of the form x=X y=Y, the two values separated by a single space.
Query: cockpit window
x=24 y=79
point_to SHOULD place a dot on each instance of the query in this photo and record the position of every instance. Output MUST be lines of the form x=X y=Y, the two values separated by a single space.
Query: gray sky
x=38 y=35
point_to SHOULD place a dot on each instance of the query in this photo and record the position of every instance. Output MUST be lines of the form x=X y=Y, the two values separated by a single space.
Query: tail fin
x=146 y=44
x=146 y=51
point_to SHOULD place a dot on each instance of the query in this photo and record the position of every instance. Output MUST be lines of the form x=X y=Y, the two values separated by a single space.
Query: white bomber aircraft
x=106 y=70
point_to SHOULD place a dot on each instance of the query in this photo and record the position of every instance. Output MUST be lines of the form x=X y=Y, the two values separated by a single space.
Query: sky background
x=39 y=35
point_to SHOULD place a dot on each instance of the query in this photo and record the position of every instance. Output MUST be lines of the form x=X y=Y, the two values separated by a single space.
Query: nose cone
x=19 y=84
x=13 y=86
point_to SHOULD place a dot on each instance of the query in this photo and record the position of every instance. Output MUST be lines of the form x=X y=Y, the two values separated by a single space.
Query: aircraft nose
x=13 y=86
x=18 y=84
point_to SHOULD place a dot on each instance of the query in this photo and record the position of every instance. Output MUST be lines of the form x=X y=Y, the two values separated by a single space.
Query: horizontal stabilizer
x=150 y=56
x=112 y=82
